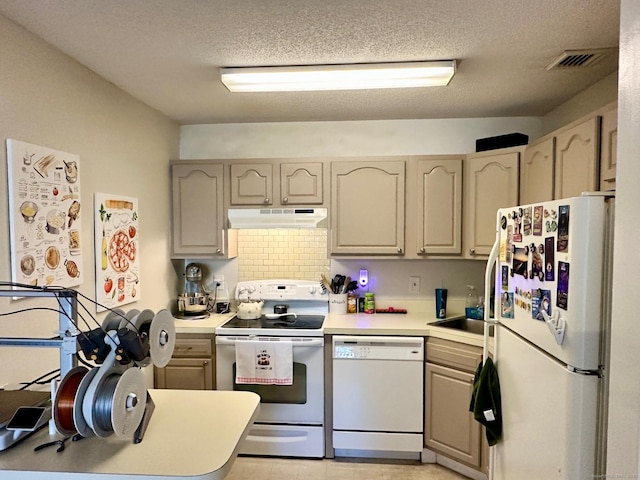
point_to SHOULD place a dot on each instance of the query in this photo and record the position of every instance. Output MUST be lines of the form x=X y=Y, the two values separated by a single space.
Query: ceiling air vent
x=579 y=58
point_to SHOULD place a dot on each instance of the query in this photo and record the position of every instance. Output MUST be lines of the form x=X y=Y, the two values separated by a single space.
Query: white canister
x=338 y=303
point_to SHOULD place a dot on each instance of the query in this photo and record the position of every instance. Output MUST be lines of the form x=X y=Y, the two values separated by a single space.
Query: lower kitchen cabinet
x=192 y=366
x=450 y=428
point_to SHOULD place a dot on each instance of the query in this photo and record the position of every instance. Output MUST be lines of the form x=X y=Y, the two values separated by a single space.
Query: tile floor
x=259 y=468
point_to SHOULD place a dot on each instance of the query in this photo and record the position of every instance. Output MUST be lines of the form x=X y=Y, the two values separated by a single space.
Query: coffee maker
x=194 y=300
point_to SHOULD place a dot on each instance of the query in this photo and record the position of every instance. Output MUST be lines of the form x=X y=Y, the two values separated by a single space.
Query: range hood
x=277 y=217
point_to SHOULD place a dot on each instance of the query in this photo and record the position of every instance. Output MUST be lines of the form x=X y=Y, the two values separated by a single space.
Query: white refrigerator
x=551 y=271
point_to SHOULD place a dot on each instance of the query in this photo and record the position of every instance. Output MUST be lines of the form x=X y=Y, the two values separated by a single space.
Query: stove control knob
x=312 y=289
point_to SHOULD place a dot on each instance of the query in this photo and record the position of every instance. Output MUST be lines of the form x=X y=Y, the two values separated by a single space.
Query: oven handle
x=296 y=341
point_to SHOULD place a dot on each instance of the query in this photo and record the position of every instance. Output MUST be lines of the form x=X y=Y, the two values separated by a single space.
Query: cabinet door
x=450 y=428
x=577 y=159
x=536 y=172
x=186 y=374
x=301 y=183
x=252 y=184
x=440 y=206
x=491 y=183
x=609 y=150
x=367 y=207
x=197 y=191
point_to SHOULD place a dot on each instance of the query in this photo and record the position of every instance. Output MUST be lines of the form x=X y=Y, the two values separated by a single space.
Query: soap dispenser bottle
x=471 y=306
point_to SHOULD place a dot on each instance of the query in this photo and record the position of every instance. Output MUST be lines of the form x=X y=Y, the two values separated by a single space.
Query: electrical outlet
x=414 y=284
x=219 y=279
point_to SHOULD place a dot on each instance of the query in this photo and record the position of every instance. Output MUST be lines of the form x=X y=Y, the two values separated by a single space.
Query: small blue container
x=441 y=302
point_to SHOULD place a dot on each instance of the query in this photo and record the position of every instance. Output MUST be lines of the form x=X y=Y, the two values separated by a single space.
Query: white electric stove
x=291 y=419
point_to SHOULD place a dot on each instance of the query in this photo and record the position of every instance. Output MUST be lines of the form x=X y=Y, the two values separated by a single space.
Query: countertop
x=409 y=324
x=206 y=325
x=192 y=434
x=417 y=322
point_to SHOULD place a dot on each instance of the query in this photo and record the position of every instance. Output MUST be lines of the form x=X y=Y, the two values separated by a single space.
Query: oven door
x=301 y=402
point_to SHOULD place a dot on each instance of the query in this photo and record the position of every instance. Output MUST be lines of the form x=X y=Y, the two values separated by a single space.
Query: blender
x=194 y=300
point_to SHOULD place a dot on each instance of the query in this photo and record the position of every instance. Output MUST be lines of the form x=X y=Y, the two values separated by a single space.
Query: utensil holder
x=338 y=303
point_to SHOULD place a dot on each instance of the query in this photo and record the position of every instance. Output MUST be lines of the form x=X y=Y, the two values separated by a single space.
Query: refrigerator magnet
x=520 y=261
x=549 y=260
x=505 y=277
x=541 y=302
x=506 y=305
x=563 y=229
x=537 y=266
x=526 y=221
x=562 y=297
x=537 y=220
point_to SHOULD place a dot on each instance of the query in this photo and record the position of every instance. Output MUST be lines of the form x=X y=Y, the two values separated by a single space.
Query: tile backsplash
x=291 y=253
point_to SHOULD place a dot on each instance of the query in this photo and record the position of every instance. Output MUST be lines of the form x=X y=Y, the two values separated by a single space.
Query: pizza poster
x=45 y=215
x=117 y=241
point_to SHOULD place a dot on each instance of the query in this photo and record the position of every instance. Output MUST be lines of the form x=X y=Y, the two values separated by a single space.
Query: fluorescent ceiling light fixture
x=338 y=77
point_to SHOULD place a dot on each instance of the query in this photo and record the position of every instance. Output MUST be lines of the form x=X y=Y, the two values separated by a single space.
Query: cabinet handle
x=285 y=200
x=399 y=250
x=205 y=362
x=267 y=201
x=422 y=251
x=219 y=251
x=472 y=251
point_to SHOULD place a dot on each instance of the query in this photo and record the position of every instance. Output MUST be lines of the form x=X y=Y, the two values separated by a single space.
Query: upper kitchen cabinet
x=252 y=184
x=198 y=211
x=436 y=204
x=537 y=171
x=609 y=148
x=577 y=159
x=491 y=182
x=296 y=183
x=301 y=183
x=367 y=207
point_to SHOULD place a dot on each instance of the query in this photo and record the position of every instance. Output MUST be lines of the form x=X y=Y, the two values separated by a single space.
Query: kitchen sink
x=464 y=324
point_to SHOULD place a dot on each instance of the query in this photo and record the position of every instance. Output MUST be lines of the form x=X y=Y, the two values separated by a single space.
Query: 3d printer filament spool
x=162 y=338
x=63 y=415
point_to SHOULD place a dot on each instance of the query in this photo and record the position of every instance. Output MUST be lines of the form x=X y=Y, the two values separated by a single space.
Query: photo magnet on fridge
x=562 y=298
x=526 y=221
x=541 y=302
x=506 y=305
x=537 y=220
x=520 y=261
x=549 y=253
x=505 y=277
x=563 y=229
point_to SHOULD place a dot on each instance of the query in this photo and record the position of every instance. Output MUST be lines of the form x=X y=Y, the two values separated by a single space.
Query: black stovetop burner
x=311 y=322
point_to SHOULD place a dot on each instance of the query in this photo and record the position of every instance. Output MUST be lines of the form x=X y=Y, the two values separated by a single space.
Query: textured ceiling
x=167 y=52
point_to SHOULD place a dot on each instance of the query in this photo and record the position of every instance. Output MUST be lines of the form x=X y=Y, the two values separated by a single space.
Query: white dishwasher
x=378 y=394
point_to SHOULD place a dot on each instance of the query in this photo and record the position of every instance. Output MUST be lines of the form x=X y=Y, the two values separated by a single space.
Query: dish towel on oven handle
x=267 y=362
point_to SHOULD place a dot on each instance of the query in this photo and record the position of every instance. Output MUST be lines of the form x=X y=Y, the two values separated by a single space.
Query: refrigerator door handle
x=556 y=324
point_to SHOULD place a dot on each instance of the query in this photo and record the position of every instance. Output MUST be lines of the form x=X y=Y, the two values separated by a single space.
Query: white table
x=193 y=434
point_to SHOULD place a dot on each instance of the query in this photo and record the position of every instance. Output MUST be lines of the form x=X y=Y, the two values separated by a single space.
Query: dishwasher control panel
x=378 y=348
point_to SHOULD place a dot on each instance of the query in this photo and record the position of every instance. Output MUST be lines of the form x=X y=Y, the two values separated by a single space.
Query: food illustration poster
x=117 y=241
x=45 y=217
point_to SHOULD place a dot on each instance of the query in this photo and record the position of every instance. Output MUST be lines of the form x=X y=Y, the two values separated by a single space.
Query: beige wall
x=48 y=99
x=624 y=407
x=587 y=101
